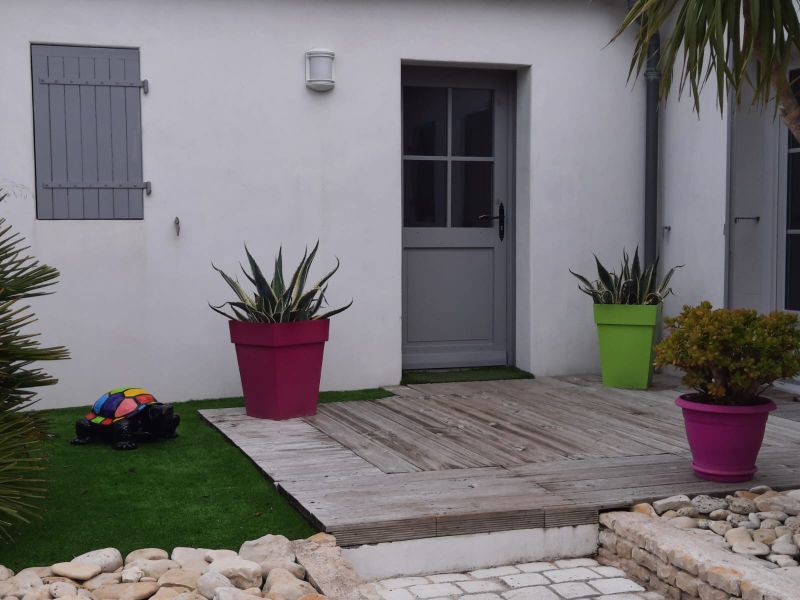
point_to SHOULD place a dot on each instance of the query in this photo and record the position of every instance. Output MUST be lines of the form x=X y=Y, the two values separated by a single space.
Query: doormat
x=454 y=375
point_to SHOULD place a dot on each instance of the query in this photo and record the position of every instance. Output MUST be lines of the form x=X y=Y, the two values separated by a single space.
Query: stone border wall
x=683 y=564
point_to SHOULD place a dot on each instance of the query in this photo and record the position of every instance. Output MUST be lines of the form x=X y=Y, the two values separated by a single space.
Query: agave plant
x=632 y=285
x=275 y=301
x=21 y=432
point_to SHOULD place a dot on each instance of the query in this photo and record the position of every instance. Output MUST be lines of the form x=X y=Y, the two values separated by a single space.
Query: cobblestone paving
x=557 y=580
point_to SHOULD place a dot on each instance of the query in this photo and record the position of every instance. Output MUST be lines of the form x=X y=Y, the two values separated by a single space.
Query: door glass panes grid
x=792 y=274
x=448 y=156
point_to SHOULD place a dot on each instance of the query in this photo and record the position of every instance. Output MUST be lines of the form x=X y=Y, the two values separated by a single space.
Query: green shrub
x=633 y=284
x=731 y=356
x=21 y=459
x=274 y=301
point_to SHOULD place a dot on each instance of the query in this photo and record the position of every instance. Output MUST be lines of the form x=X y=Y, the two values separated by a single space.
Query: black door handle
x=501 y=218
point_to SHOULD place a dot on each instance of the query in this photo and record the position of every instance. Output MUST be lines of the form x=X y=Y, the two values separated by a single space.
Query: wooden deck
x=446 y=459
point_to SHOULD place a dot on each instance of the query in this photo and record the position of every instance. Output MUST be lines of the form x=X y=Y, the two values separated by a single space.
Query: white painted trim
x=460 y=553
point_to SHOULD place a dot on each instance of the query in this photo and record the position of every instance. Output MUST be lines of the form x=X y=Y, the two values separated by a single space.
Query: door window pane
x=425 y=121
x=471 y=194
x=472 y=122
x=793 y=272
x=425 y=193
x=793 y=192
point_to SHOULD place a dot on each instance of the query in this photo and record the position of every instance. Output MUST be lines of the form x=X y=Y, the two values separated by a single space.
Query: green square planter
x=627 y=334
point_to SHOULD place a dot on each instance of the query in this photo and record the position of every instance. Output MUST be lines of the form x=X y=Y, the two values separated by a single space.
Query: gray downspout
x=653 y=77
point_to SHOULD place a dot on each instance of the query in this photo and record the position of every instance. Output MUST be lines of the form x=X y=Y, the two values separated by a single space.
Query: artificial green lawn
x=452 y=375
x=196 y=490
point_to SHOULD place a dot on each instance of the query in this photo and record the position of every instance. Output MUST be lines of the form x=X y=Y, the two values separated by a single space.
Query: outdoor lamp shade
x=319 y=69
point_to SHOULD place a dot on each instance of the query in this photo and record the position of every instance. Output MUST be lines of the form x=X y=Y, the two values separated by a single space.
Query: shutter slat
x=72 y=119
x=91 y=204
x=119 y=141
x=105 y=171
x=134 y=139
x=41 y=129
x=58 y=138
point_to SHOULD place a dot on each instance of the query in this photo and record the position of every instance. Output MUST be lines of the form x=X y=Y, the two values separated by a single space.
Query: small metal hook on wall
x=177 y=223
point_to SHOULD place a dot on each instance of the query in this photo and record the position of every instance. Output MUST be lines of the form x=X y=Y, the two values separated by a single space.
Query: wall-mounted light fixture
x=319 y=69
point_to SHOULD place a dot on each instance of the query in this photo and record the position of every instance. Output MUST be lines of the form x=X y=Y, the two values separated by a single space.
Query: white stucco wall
x=694 y=198
x=241 y=151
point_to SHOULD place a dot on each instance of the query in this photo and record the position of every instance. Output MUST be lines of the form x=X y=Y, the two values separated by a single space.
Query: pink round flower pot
x=724 y=440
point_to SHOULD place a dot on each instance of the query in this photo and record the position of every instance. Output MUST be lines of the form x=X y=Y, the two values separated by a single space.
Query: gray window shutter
x=87 y=132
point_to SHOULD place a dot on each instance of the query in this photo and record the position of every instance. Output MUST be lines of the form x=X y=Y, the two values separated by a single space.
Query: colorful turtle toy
x=125 y=415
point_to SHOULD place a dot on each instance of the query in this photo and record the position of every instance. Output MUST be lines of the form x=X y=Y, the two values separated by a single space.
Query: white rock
x=282 y=583
x=773 y=514
x=295 y=569
x=671 y=503
x=719 y=515
x=765 y=536
x=40 y=571
x=242 y=573
x=232 y=594
x=25 y=581
x=146 y=554
x=737 y=519
x=59 y=589
x=155 y=568
x=269 y=548
x=209 y=582
x=180 y=578
x=77 y=570
x=779 y=503
x=706 y=504
x=683 y=522
x=782 y=560
x=5 y=573
x=760 y=489
x=8 y=588
x=212 y=555
x=182 y=554
x=738 y=535
x=108 y=559
x=751 y=549
x=199 y=565
x=101 y=580
x=769 y=524
x=785 y=545
x=40 y=593
x=190 y=596
x=131 y=574
x=687 y=511
x=82 y=593
x=741 y=506
x=720 y=527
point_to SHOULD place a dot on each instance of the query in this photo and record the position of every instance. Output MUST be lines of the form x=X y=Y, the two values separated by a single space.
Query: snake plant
x=632 y=285
x=274 y=301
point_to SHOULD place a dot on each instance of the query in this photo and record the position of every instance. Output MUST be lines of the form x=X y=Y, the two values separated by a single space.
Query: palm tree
x=21 y=432
x=737 y=42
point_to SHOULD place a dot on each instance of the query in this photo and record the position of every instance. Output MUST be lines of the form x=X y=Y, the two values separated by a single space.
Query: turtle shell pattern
x=118 y=404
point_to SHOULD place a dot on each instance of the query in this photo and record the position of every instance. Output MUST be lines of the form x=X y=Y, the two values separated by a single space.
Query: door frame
x=438 y=70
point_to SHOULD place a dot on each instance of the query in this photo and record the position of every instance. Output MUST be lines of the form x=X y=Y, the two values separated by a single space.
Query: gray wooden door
x=457 y=217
